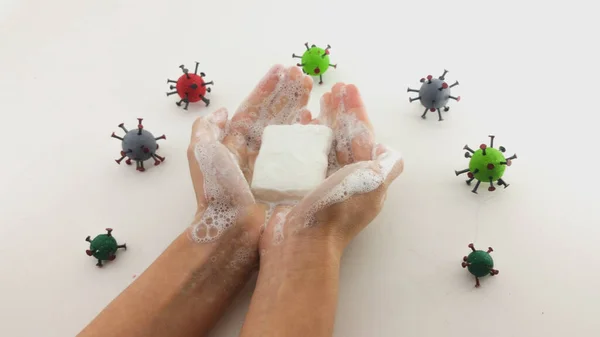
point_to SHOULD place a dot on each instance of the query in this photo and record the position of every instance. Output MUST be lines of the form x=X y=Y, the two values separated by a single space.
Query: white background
x=72 y=70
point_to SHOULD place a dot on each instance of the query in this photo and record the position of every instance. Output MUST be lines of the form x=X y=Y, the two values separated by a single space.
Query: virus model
x=486 y=164
x=190 y=87
x=138 y=145
x=434 y=94
x=315 y=61
x=104 y=247
x=479 y=263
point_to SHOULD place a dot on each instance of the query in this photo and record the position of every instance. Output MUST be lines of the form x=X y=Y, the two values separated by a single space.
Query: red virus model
x=190 y=87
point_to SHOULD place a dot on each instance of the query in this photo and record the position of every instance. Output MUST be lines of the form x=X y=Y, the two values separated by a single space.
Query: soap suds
x=362 y=180
x=358 y=178
x=225 y=188
x=278 y=223
x=282 y=106
x=347 y=128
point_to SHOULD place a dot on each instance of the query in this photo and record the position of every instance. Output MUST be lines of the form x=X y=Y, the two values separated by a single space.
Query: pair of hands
x=222 y=155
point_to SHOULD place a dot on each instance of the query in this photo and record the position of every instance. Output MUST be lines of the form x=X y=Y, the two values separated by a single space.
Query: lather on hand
x=301 y=248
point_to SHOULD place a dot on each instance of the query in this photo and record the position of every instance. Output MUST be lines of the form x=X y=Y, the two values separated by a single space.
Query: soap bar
x=292 y=161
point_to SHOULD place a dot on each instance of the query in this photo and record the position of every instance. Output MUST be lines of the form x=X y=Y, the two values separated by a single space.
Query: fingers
x=344 y=111
x=305 y=117
x=204 y=130
x=274 y=229
x=327 y=114
x=236 y=143
x=291 y=96
x=353 y=104
x=266 y=86
x=362 y=146
x=210 y=127
x=337 y=92
x=247 y=112
x=197 y=179
x=224 y=182
x=252 y=155
x=214 y=169
x=390 y=162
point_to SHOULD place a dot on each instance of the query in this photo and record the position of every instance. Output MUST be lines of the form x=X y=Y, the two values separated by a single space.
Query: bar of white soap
x=292 y=161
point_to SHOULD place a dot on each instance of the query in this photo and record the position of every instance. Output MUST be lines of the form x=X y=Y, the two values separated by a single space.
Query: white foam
x=358 y=178
x=346 y=127
x=387 y=160
x=282 y=106
x=361 y=180
x=278 y=225
x=224 y=191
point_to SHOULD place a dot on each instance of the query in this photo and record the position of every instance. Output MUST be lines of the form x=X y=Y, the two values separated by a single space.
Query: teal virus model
x=315 y=61
x=479 y=263
x=486 y=164
x=104 y=247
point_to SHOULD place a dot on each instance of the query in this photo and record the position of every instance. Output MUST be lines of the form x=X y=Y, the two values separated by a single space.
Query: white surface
x=72 y=70
x=292 y=161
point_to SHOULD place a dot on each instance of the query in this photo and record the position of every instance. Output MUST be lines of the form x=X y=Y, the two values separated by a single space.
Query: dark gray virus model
x=434 y=94
x=138 y=145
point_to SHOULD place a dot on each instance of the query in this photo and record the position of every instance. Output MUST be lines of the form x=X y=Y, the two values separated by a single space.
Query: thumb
x=305 y=117
x=390 y=162
x=210 y=127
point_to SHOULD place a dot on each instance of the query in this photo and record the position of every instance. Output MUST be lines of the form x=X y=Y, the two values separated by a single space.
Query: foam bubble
x=360 y=181
x=357 y=178
x=241 y=257
x=346 y=128
x=220 y=180
x=387 y=160
x=280 y=216
x=281 y=106
x=278 y=225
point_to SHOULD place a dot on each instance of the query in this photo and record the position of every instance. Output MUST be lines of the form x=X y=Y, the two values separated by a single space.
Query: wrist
x=299 y=253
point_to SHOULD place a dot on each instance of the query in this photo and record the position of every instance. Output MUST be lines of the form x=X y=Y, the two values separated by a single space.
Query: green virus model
x=479 y=263
x=103 y=247
x=315 y=61
x=486 y=164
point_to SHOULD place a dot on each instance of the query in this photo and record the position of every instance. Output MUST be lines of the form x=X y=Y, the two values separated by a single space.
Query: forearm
x=296 y=292
x=184 y=292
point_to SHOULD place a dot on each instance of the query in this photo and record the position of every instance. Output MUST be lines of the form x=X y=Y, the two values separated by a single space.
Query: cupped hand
x=279 y=98
x=222 y=153
x=222 y=192
x=360 y=173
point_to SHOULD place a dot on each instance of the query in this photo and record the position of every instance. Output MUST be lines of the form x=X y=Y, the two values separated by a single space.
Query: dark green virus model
x=486 y=164
x=479 y=263
x=103 y=247
x=315 y=61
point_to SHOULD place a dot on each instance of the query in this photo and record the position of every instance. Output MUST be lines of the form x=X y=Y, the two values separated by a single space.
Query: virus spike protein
x=479 y=263
x=138 y=145
x=434 y=94
x=191 y=88
x=104 y=247
x=487 y=164
x=315 y=61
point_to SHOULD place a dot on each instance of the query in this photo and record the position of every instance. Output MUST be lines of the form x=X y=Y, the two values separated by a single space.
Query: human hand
x=222 y=152
x=279 y=98
x=359 y=174
x=223 y=194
